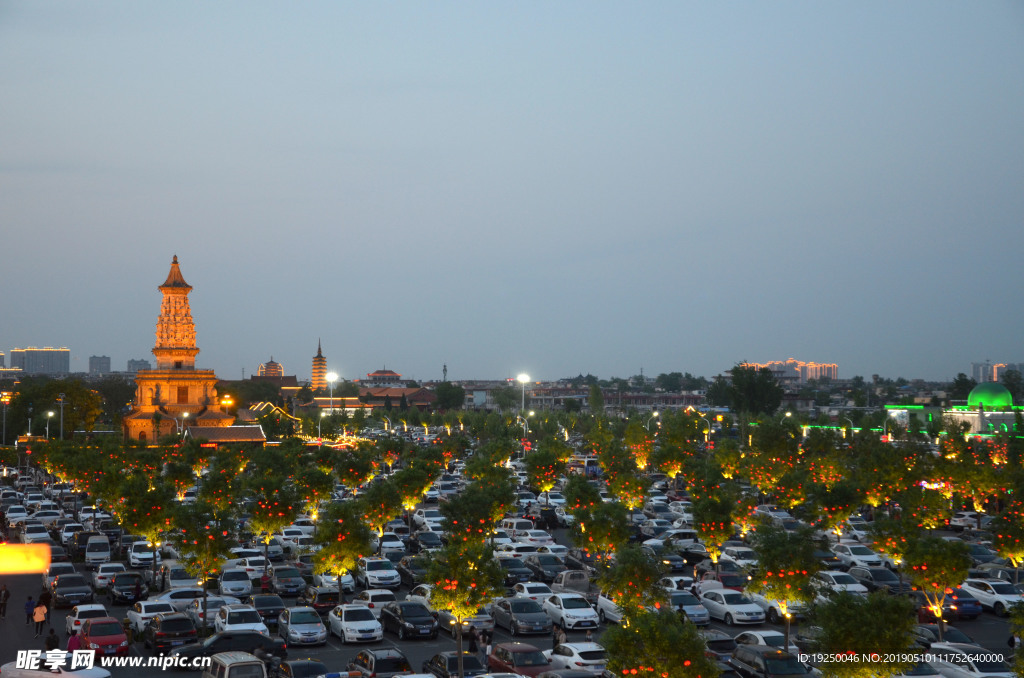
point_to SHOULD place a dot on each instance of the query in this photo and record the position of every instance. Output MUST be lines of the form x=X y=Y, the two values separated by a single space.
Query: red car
x=521 y=658
x=105 y=636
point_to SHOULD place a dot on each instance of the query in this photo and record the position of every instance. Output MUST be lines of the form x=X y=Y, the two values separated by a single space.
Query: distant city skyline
x=549 y=188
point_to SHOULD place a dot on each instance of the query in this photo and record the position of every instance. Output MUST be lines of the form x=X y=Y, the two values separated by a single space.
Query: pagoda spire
x=175 y=330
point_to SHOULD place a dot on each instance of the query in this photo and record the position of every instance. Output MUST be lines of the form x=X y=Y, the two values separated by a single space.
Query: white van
x=516 y=527
x=235 y=665
x=97 y=551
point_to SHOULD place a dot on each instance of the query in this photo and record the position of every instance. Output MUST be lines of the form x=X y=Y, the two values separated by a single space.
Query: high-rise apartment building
x=99 y=364
x=46 y=360
x=138 y=365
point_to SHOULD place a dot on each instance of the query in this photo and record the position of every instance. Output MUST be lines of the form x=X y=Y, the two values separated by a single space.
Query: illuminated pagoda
x=175 y=395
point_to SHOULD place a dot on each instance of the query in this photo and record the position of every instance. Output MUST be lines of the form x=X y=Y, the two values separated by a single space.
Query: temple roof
x=174 y=278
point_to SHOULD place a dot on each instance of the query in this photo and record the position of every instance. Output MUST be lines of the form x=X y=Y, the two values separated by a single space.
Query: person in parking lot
x=30 y=605
x=39 y=617
x=46 y=599
x=5 y=596
x=74 y=642
x=52 y=641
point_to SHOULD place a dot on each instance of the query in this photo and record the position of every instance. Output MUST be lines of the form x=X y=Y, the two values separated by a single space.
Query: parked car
x=998 y=596
x=321 y=599
x=80 y=613
x=732 y=607
x=957 y=660
x=301 y=626
x=167 y=631
x=286 y=580
x=353 y=623
x=71 y=589
x=521 y=616
x=765 y=661
x=104 y=636
x=518 y=658
x=140 y=614
x=408 y=620
x=589 y=657
x=385 y=662
x=126 y=588
x=269 y=606
x=570 y=611
x=446 y=665
x=880 y=579
x=241 y=641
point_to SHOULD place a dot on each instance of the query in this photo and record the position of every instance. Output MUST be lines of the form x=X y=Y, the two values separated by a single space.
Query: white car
x=11 y=670
x=589 y=657
x=289 y=536
x=179 y=598
x=514 y=550
x=771 y=638
x=141 y=612
x=564 y=516
x=856 y=555
x=254 y=567
x=570 y=611
x=239 y=618
x=773 y=609
x=829 y=582
x=306 y=525
x=500 y=538
x=141 y=554
x=377 y=573
x=607 y=610
x=389 y=541
x=68 y=531
x=420 y=594
x=741 y=555
x=427 y=516
x=960 y=660
x=554 y=549
x=353 y=623
x=374 y=599
x=676 y=582
x=48 y=517
x=234 y=581
x=78 y=615
x=179 y=578
x=962 y=520
x=535 y=538
x=104 y=573
x=534 y=590
x=331 y=581
x=197 y=611
x=16 y=514
x=732 y=607
x=551 y=498
x=996 y=595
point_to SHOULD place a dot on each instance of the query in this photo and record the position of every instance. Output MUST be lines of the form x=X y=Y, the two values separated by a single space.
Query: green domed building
x=989 y=409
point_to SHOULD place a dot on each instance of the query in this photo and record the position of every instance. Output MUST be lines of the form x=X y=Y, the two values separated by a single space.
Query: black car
x=582 y=559
x=269 y=606
x=298 y=668
x=167 y=631
x=123 y=587
x=228 y=641
x=321 y=598
x=408 y=620
x=412 y=570
x=828 y=560
x=544 y=566
x=384 y=662
x=70 y=590
x=424 y=541
x=666 y=557
x=516 y=572
x=57 y=552
x=765 y=661
x=719 y=643
x=880 y=579
x=446 y=665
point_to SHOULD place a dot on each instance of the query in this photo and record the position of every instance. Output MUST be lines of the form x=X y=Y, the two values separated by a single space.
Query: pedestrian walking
x=5 y=596
x=52 y=641
x=74 y=642
x=485 y=645
x=474 y=644
x=30 y=605
x=39 y=617
x=46 y=599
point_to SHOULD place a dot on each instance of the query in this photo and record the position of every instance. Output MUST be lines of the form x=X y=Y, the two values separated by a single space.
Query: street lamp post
x=30 y=420
x=526 y=426
x=387 y=426
x=5 y=398
x=653 y=417
x=851 y=425
x=49 y=415
x=60 y=399
x=180 y=424
x=322 y=415
x=707 y=434
x=331 y=378
x=522 y=379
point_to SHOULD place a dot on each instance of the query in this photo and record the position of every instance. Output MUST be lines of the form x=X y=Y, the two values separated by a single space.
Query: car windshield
x=305 y=617
x=529 y=659
x=414 y=610
x=788 y=666
x=861 y=551
x=525 y=607
x=392 y=665
x=383 y=597
x=883 y=574
x=91 y=614
x=142 y=548
x=735 y=599
x=287 y=573
x=69 y=580
x=575 y=603
x=268 y=602
x=592 y=655
x=540 y=588
x=359 y=614
x=549 y=560
x=429 y=538
x=176 y=625
x=106 y=629
x=245 y=617
x=379 y=565
x=154 y=608
x=991 y=667
x=240 y=575
x=683 y=598
x=432 y=514
x=843 y=579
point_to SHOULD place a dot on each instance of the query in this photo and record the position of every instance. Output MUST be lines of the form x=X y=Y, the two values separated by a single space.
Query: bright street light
x=322 y=415
x=331 y=378
x=49 y=415
x=522 y=379
x=654 y=415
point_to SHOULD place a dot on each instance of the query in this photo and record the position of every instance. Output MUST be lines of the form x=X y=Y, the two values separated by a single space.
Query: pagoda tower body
x=319 y=369
x=175 y=394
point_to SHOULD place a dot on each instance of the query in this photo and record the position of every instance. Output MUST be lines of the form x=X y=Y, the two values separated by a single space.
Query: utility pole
x=60 y=399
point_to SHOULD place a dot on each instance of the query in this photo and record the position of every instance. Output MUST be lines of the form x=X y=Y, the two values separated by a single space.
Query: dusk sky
x=545 y=187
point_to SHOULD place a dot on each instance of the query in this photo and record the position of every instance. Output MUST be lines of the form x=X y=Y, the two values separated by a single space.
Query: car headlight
x=294 y=633
x=93 y=646
x=124 y=643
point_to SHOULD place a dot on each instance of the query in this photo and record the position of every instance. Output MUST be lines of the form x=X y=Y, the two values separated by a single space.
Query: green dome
x=990 y=394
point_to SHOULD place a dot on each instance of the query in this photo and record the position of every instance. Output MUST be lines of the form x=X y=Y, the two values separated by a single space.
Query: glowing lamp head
x=523 y=378
x=332 y=377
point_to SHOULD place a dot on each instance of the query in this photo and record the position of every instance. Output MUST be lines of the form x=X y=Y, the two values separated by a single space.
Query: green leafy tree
x=595 y=400
x=505 y=398
x=602 y=530
x=712 y=517
x=449 y=396
x=658 y=644
x=786 y=563
x=272 y=512
x=878 y=624
x=631 y=581
x=381 y=503
x=1008 y=534
x=146 y=508
x=754 y=390
x=934 y=565
x=344 y=538
x=961 y=387
x=544 y=467
x=203 y=546
x=464 y=578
